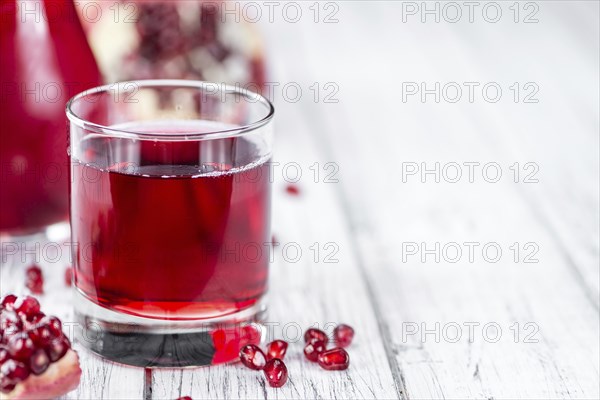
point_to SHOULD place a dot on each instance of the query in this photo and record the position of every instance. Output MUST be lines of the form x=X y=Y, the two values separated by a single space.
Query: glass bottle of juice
x=45 y=59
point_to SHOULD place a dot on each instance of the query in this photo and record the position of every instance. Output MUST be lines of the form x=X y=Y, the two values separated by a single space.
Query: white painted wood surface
x=370 y=212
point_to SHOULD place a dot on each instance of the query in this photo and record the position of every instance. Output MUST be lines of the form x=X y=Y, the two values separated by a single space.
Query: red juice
x=183 y=232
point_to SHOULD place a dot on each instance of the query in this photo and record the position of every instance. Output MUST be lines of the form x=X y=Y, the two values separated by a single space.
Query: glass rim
x=173 y=83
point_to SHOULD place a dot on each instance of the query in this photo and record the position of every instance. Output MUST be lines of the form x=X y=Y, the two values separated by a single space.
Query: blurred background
x=437 y=165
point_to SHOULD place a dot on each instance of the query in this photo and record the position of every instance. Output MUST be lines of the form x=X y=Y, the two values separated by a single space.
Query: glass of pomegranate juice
x=170 y=215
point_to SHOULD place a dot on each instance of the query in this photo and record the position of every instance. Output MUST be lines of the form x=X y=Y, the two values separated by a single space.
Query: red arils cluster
x=272 y=365
x=34 y=279
x=336 y=358
x=29 y=340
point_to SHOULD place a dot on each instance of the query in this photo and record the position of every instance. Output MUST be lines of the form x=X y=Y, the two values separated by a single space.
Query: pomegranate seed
x=54 y=325
x=36 y=318
x=277 y=349
x=252 y=357
x=58 y=348
x=292 y=189
x=343 y=335
x=10 y=323
x=27 y=305
x=20 y=346
x=313 y=349
x=276 y=372
x=313 y=333
x=41 y=334
x=34 y=280
x=39 y=362
x=6 y=385
x=4 y=355
x=8 y=301
x=68 y=276
x=185 y=398
x=334 y=359
x=14 y=371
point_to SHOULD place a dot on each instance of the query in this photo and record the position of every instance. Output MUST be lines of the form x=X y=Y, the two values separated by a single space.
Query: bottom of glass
x=148 y=343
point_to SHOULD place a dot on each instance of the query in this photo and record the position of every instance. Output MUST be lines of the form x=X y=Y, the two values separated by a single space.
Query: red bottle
x=45 y=60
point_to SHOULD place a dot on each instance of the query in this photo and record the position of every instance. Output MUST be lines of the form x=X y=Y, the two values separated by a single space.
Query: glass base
x=145 y=342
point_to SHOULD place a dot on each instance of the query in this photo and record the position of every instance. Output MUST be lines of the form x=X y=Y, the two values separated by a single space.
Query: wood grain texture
x=542 y=323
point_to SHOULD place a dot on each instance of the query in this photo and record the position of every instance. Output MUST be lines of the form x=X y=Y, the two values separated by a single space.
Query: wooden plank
x=557 y=294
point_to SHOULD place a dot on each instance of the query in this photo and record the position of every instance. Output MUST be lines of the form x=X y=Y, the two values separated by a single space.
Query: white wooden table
x=524 y=325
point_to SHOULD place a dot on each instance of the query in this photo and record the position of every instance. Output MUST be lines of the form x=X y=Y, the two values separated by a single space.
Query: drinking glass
x=170 y=216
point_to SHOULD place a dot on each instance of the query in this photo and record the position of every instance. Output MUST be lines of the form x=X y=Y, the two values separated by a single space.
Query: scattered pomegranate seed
x=313 y=349
x=185 y=398
x=276 y=372
x=277 y=349
x=68 y=276
x=253 y=357
x=34 y=279
x=343 y=335
x=292 y=189
x=335 y=359
x=314 y=333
